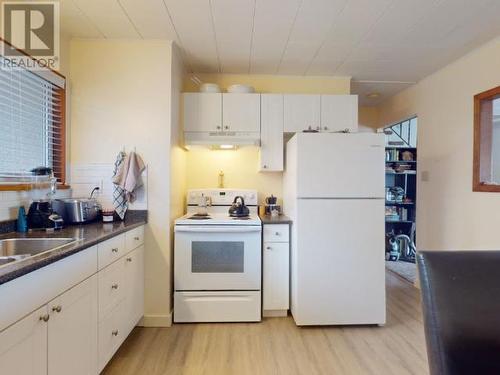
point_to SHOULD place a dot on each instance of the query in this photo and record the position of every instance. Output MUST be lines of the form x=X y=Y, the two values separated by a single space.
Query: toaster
x=78 y=210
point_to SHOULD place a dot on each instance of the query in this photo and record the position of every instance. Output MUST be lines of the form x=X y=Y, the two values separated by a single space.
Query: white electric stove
x=217 y=259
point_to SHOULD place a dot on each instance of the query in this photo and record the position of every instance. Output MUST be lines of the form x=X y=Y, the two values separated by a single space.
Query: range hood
x=221 y=140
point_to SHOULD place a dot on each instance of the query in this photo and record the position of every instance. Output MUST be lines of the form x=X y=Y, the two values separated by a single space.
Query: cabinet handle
x=265 y=166
x=136 y=238
x=114 y=286
x=318 y=128
x=57 y=309
x=277 y=233
x=226 y=127
x=325 y=128
x=115 y=332
x=114 y=250
x=129 y=259
x=268 y=248
x=218 y=127
x=45 y=317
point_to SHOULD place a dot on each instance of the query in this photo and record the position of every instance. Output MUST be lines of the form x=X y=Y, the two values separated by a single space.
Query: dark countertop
x=90 y=234
x=281 y=219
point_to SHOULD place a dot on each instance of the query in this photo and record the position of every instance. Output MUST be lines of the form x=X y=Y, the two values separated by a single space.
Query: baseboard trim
x=274 y=313
x=152 y=320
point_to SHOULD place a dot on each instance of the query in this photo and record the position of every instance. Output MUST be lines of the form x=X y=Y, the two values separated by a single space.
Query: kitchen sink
x=13 y=249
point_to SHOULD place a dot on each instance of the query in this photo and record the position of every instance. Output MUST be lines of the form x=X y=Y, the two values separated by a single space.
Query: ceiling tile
x=398 y=19
x=74 y=23
x=314 y=19
x=444 y=19
x=108 y=17
x=151 y=18
x=193 y=21
x=272 y=25
x=233 y=21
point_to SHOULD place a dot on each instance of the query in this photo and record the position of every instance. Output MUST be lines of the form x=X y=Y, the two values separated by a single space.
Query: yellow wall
x=265 y=83
x=121 y=97
x=241 y=166
x=449 y=215
x=369 y=117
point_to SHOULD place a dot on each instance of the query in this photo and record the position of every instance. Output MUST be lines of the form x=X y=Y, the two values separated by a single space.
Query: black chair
x=461 y=306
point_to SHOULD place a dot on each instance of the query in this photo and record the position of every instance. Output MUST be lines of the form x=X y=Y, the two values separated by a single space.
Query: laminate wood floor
x=277 y=346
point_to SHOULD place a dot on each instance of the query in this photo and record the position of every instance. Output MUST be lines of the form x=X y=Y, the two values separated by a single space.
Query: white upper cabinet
x=339 y=112
x=271 y=133
x=215 y=112
x=202 y=112
x=241 y=112
x=301 y=112
x=325 y=113
x=23 y=346
x=72 y=335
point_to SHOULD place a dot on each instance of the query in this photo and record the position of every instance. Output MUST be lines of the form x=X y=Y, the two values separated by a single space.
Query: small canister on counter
x=107 y=215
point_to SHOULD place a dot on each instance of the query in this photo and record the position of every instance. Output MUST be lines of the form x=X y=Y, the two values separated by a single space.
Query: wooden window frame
x=61 y=173
x=482 y=141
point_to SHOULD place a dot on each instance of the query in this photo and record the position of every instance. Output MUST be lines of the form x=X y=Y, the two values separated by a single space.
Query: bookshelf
x=401 y=192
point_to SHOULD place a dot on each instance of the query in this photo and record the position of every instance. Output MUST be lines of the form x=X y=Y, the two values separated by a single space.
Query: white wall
x=121 y=97
x=449 y=214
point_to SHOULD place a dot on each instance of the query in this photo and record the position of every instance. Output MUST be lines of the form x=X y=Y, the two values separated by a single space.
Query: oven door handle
x=218 y=229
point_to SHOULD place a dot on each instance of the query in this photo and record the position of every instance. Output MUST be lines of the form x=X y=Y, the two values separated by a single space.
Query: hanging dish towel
x=119 y=197
x=129 y=175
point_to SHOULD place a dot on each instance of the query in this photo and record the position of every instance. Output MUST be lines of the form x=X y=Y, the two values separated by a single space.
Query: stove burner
x=199 y=217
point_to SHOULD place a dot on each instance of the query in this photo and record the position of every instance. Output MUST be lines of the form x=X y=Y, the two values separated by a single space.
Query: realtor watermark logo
x=32 y=27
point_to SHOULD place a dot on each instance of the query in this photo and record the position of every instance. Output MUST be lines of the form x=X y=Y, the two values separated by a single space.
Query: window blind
x=31 y=123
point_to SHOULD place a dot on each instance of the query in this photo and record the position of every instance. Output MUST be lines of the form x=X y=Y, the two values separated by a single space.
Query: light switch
x=424 y=176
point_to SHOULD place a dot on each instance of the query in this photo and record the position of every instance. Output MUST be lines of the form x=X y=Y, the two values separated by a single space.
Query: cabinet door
x=134 y=276
x=276 y=276
x=301 y=112
x=241 y=112
x=23 y=346
x=339 y=112
x=202 y=112
x=72 y=333
x=271 y=133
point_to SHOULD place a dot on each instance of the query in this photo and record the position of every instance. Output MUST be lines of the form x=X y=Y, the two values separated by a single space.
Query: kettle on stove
x=238 y=208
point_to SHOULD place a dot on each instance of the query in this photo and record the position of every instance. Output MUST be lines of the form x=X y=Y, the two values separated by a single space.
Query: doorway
x=401 y=197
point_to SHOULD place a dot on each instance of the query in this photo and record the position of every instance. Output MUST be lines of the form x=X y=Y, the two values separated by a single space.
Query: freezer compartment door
x=340 y=165
x=338 y=261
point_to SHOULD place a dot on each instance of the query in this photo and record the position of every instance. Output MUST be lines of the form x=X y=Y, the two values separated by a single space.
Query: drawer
x=110 y=250
x=276 y=233
x=111 y=281
x=223 y=306
x=112 y=333
x=134 y=238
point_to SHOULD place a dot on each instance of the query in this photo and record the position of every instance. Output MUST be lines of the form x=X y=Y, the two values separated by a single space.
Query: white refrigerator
x=334 y=193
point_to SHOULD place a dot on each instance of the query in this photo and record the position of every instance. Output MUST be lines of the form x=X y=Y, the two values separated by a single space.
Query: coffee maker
x=272 y=205
x=42 y=216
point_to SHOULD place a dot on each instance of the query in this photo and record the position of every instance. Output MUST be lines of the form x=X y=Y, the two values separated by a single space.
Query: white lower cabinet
x=23 y=346
x=79 y=330
x=276 y=270
x=276 y=275
x=72 y=334
x=134 y=284
x=121 y=296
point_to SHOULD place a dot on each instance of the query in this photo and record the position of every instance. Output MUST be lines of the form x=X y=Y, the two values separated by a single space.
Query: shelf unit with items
x=401 y=193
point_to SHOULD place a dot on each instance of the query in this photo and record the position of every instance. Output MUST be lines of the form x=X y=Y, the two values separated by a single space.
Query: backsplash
x=85 y=177
x=10 y=201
